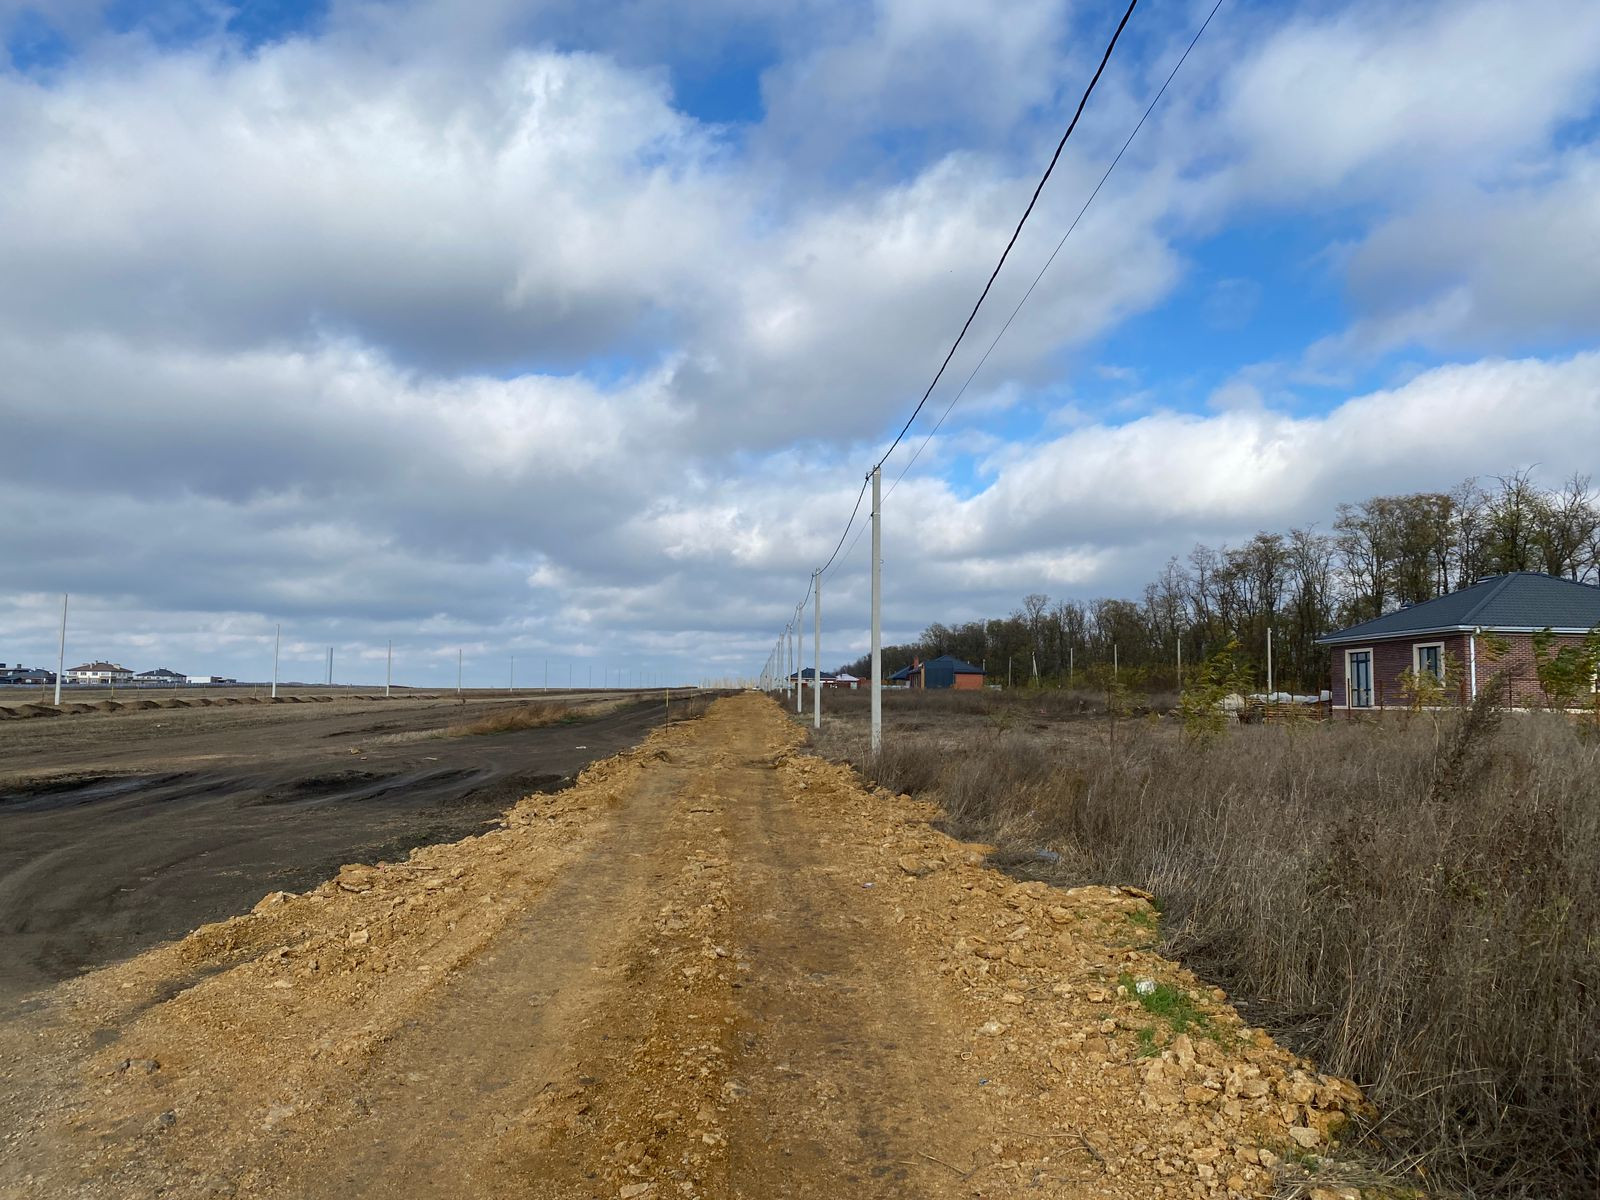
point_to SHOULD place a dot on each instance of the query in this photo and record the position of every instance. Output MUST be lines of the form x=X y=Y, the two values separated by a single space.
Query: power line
x=853 y=512
x=1017 y=232
x=1005 y=254
x=1148 y=110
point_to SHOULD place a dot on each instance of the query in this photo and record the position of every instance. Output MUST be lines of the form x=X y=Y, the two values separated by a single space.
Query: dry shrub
x=1415 y=906
x=520 y=716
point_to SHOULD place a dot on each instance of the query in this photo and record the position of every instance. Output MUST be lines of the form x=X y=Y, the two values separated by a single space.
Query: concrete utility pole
x=330 y=666
x=61 y=649
x=1180 y=662
x=277 y=641
x=1269 y=663
x=799 y=651
x=512 y=686
x=547 y=674
x=458 y=671
x=877 y=610
x=816 y=649
x=388 y=669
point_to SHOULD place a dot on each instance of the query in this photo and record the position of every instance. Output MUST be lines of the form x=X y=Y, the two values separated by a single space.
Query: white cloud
x=423 y=329
x=1373 y=97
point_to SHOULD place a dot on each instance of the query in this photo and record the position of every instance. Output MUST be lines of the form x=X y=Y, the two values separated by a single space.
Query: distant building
x=1441 y=637
x=22 y=675
x=208 y=679
x=946 y=671
x=160 y=676
x=99 y=672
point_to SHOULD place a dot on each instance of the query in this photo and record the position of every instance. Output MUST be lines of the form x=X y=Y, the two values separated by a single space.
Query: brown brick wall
x=1391 y=658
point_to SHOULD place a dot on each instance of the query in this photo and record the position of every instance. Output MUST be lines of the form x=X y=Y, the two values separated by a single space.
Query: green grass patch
x=1145 y=919
x=1173 y=1005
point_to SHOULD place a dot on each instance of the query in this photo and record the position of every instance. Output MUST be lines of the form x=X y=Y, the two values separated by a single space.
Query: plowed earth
x=715 y=967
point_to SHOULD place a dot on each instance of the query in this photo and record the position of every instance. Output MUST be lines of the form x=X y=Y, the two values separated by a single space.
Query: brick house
x=946 y=671
x=1442 y=636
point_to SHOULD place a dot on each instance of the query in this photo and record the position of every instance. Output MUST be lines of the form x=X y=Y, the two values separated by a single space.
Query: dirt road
x=714 y=968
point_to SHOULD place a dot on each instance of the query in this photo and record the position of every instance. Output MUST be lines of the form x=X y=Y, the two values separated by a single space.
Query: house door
x=1358 y=679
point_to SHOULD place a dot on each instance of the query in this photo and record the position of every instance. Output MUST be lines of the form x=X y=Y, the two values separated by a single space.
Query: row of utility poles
x=627 y=677
x=784 y=661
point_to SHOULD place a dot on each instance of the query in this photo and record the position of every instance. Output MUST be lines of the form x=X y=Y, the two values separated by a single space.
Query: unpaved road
x=123 y=830
x=714 y=968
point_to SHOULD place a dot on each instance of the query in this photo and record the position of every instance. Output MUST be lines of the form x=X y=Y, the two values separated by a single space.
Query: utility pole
x=1269 y=664
x=512 y=686
x=1115 y=666
x=330 y=666
x=816 y=648
x=877 y=609
x=388 y=669
x=799 y=652
x=61 y=649
x=547 y=674
x=277 y=641
x=458 y=671
x=1180 y=661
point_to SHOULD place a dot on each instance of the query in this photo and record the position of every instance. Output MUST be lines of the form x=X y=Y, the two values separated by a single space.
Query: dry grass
x=526 y=716
x=1415 y=905
x=539 y=714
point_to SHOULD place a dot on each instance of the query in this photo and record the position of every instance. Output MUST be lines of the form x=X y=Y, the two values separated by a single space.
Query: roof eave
x=1335 y=639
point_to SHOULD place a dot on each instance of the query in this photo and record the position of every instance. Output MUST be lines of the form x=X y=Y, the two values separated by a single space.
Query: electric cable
x=1017 y=232
x=1075 y=220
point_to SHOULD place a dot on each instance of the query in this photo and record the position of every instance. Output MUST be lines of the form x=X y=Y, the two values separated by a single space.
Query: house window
x=1428 y=659
x=1358 y=678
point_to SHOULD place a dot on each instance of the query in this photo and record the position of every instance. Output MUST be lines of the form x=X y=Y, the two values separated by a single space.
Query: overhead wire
x=1033 y=200
x=1017 y=232
x=1150 y=108
x=989 y=284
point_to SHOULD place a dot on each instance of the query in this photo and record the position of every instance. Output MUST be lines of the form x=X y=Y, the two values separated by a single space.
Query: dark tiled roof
x=1523 y=600
x=950 y=662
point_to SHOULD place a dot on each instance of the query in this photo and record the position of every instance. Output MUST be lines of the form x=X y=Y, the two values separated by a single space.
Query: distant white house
x=99 y=672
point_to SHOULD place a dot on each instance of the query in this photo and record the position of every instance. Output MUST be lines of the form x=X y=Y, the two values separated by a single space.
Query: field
x=121 y=829
x=716 y=967
x=421 y=948
x=1414 y=902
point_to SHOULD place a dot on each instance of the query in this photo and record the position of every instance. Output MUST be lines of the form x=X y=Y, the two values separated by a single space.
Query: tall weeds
x=1418 y=909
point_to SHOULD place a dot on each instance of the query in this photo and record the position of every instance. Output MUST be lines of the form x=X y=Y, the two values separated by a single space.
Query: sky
x=566 y=332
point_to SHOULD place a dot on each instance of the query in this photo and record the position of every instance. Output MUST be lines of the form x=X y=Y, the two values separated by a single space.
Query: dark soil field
x=120 y=830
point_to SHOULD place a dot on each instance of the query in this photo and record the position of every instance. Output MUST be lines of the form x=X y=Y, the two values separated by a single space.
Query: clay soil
x=119 y=830
x=715 y=967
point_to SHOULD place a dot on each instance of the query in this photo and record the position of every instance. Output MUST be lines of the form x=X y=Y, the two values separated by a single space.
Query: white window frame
x=1416 y=658
x=1372 y=664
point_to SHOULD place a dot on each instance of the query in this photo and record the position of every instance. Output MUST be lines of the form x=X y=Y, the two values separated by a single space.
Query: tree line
x=1378 y=555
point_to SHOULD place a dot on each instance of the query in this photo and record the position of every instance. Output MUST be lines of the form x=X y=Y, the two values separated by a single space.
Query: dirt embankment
x=714 y=968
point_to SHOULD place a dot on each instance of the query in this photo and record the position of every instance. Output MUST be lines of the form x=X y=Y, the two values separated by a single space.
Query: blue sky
x=567 y=330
